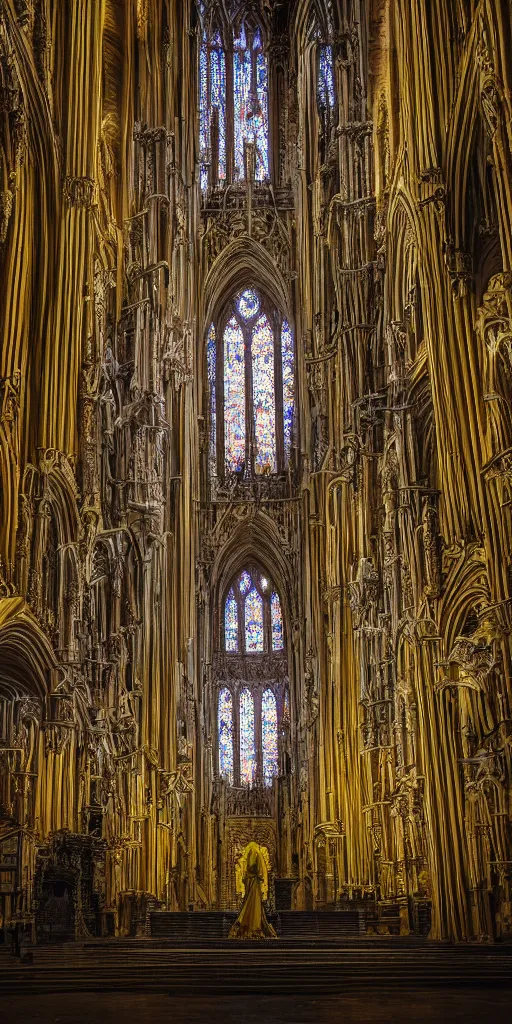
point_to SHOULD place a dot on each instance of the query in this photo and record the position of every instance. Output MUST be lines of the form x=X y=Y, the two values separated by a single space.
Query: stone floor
x=471 y=1005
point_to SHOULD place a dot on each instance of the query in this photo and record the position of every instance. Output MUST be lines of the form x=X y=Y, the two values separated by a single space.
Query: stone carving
x=80 y=192
x=6 y=205
x=431 y=548
x=363 y=591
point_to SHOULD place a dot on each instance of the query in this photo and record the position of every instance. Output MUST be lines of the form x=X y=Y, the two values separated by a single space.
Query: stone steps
x=181 y=926
x=272 y=967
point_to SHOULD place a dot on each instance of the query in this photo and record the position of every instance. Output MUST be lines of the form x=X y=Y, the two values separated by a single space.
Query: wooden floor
x=401 y=1006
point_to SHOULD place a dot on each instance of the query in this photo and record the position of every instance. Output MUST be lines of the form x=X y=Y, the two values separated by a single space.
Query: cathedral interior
x=255 y=466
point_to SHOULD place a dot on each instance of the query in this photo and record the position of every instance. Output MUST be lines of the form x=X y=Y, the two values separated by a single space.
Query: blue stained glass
x=264 y=396
x=204 y=118
x=288 y=386
x=277 y=622
x=261 y=128
x=245 y=583
x=211 y=358
x=248 y=304
x=240 y=42
x=231 y=622
x=225 y=729
x=242 y=78
x=247 y=739
x=251 y=105
x=234 y=396
x=326 y=92
x=218 y=102
x=212 y=96
x=253 y=622
x=269 y=736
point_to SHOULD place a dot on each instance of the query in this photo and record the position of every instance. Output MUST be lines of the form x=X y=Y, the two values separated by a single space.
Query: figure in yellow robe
x=252 y=871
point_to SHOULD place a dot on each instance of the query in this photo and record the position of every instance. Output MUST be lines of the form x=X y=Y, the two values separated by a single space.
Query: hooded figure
x=252 y=922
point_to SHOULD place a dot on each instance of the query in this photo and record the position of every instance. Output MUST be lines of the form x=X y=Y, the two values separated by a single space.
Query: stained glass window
x=326 y=92
x=288 y=386
x=264 y=396
x=212 y=110
x=252 y=607
x=247 y=739
x=249 y=99
x=250 y=85
x=211 y=349
x=218 y=107
x=269 y=736
x=204 y=118
x=277 y=622
x=231 y=622
x=257 y=402
x=234 y=395
x=253 y=621
x=225 y=728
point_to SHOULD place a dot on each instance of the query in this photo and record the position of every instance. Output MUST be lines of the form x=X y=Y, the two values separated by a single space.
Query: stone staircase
x=274 y=967
x=200 y=926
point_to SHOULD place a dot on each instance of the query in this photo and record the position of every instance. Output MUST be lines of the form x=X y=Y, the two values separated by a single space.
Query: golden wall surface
x=385 y=235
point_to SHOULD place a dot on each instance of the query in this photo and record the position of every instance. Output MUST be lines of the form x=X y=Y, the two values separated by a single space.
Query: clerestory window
x=250 y=357
x=326 y=93
x=233 y=104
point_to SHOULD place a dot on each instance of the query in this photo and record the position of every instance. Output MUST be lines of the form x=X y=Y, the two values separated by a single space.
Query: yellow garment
x=252 y=922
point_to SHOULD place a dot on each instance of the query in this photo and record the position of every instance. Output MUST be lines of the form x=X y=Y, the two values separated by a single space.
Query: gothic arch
x=403 y=234
x=466 y=588
x=460 y=145
x=53 y=481
x=26 y=657
x=254 y=540
x=306 y=12
x=115 y=577
x=244 y=263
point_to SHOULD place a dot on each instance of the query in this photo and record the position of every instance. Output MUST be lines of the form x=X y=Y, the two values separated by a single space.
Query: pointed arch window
x=247 y=738
x=251 y=376
x=231 y=622
x=212 y=110
x=234 y=393
x=233 y=104
x=250 y=89
x=226 y=735
x=253 y=622
x=277 y=622
x=326 y=92
x=269 y=736
x=252 y=714
x=253 y=619
x=211 y=356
